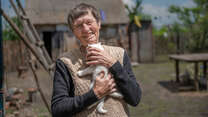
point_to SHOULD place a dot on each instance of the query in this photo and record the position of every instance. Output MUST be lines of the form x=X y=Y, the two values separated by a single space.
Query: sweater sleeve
x=64 y=103
x=126 y=81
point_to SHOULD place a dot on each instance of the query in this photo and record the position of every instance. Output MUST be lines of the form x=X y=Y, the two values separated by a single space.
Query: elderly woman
x=71 y=93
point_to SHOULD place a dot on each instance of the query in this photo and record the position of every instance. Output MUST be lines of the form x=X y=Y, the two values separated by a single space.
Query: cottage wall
x=15 y=55
x=142 y=42
x=61 y=39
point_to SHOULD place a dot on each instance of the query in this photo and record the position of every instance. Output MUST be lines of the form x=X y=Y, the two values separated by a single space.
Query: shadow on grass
x=204 y=114
x=174 y=87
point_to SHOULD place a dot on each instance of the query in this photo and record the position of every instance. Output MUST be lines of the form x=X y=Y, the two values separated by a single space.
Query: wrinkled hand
x=104 y=86
x=96 y=56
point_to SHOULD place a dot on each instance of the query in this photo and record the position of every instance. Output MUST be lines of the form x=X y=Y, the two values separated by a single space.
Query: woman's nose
x=85 y=27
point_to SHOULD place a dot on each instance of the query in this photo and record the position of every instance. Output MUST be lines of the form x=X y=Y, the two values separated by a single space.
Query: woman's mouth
x=89 y=37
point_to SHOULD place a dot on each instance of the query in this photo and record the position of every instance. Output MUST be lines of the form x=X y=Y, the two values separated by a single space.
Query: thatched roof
x=55 y=11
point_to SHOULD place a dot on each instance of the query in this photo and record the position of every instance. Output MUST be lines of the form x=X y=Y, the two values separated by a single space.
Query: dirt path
x=37 y=108
x=157 y=101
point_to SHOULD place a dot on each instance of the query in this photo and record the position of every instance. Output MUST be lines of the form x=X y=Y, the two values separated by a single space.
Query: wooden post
x=31 y=94
x=177 y=71
x=25 y=40
x=205 y=69
x=35 y=33
x=31 y=36
x=134 y=44
x=196 y=81
x=205 y=73
x=121 y=37
x=177 y=42
x=1 y=70
x=38 y=87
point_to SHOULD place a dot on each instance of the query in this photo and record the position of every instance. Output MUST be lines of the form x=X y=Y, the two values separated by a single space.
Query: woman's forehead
x=82 y=18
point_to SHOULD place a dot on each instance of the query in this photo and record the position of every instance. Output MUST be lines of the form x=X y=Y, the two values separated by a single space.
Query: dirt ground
x=161 y=101
x=157 y=99
x=37 y=107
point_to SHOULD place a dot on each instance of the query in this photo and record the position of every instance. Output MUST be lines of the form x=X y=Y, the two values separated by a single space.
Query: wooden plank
x=177 y=71
x=205 y=72
x=25 y=40
x=196 y=81
x=205 y=69
x=39 y=87
x=134 y=47
x=35 y=33
x=200 y=57
x=33 y=37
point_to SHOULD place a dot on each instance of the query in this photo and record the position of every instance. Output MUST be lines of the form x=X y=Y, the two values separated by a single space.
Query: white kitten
x=95 y=70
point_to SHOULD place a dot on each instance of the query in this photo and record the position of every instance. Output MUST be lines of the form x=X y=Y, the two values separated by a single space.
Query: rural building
x=50 y=19
x=141 y=42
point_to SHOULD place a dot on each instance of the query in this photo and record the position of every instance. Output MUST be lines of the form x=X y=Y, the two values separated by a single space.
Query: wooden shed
x=50 y=19
x=141 y=42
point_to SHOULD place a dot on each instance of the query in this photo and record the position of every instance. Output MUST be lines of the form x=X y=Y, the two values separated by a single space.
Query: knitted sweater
x=74 y=62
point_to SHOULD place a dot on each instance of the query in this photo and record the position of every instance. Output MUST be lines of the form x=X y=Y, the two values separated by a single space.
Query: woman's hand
x=104 y=86
x=96 y=56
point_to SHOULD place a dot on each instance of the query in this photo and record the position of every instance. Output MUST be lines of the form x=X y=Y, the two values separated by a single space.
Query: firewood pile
x=15 y=99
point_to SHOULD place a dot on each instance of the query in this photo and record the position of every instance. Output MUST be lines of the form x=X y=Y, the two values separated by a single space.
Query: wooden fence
x=14 y=52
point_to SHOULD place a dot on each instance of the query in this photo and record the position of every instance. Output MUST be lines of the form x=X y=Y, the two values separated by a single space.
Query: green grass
x=158 y=101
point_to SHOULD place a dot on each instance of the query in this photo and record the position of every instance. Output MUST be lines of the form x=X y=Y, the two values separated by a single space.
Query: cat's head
x=96 y=45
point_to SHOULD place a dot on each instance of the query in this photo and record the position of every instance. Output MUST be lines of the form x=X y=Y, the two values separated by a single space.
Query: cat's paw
x=100 y=107
x=79 y=73
x=116 y=95
x=101 y=110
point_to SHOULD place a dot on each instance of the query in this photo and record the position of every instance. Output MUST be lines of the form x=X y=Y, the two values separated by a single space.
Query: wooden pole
x=39 y=41
x=205 y=70
x=32 y=39
x=29 y=34
x=205 y=73
x=1 y=70
x=196 y=81
x=24 y=39
x=177 y=71
x=38 y=86
x=177 y=42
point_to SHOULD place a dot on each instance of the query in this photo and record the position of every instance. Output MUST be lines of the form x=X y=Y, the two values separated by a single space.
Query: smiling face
x=86 y=29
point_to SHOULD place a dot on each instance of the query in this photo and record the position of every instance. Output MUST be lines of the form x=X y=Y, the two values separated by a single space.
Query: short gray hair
x=80 y=10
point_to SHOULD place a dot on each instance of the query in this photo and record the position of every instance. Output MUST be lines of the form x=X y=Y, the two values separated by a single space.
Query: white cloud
x=188 y=4
x=155 y=10
x=160 y=14
x=129 y=3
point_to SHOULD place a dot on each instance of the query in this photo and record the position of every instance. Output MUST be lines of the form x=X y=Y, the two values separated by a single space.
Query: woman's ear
x=99 y=24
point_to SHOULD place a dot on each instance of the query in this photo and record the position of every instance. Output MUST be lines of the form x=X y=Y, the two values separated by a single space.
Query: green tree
x=9 y=33
x=195 y=22
x=135 y=13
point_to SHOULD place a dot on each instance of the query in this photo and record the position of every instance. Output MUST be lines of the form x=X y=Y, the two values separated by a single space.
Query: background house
x=50 y=19
x=141 y=41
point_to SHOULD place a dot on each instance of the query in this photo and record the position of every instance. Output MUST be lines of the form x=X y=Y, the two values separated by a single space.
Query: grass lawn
x=158 y=101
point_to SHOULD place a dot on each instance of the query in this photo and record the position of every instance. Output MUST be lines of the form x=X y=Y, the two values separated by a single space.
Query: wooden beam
x=35 y=33
x=24 y=39
x=1 y=71
x=31 y=34
x=205 y=73
x=196 y=81
x=38 y=86
x=177 y=71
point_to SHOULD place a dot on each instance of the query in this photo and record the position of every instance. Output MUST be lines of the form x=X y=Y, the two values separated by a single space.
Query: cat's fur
x=95 y=70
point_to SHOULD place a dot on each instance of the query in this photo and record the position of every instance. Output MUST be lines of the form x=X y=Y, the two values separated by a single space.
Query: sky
x=155 y=8
x=159 y=8
x=7 y=7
